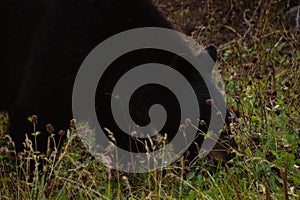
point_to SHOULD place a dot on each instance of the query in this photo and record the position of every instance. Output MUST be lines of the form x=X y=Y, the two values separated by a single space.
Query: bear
x=44 y=45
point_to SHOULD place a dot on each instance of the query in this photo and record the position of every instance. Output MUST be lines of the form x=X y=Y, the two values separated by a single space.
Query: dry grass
x=259 y=61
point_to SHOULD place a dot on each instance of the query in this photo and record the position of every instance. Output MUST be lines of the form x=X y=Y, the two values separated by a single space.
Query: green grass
x=260 y=65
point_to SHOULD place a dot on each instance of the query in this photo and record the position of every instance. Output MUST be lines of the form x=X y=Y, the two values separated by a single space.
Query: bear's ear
x=210 y=55
x=212 y=51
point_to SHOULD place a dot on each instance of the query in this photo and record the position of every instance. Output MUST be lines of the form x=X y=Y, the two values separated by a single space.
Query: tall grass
x=259 y=60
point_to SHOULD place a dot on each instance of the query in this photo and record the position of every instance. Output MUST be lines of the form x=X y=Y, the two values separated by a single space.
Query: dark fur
x=43 y=46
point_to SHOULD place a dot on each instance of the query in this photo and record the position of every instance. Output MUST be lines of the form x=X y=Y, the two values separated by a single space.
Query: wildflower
x=34 y=119
x=188 y=121
x=134 y=134
x=61 y=133
x=87 y=131
x=107 y=160
x=182 y=128
x=72 y=123
x=4 y=149
x=49 y=128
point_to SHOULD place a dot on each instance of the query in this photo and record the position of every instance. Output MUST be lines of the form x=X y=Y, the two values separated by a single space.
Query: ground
x=259 y=63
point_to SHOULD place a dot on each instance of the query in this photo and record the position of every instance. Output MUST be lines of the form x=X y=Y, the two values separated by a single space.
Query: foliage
x=260 y=65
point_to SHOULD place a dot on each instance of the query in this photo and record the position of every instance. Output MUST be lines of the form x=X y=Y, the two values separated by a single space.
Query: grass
x=259 y=60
